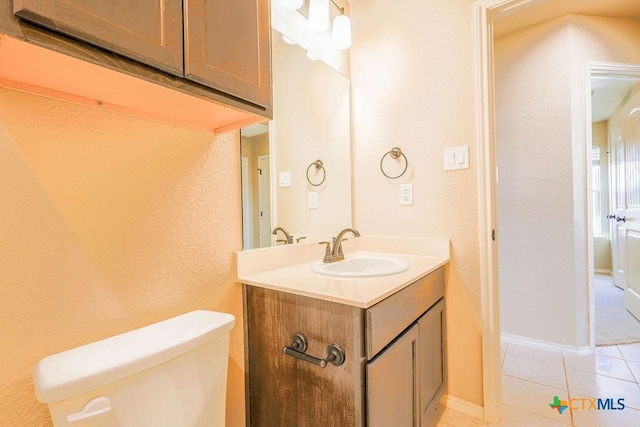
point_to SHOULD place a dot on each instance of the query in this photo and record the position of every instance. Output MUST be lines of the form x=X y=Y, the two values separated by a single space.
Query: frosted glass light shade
x=291 y=4
x=318 y=15
x=341 y=37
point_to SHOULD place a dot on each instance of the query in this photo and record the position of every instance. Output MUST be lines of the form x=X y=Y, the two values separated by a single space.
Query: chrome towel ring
x=319 y=167
x=395 y=153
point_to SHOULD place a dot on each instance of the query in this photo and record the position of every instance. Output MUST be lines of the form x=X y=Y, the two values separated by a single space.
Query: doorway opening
x=615 y=100
x=256 y=186
x=488 y=13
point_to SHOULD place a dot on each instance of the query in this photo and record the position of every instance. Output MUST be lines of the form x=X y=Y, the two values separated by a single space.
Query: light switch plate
x=456 y=158
x=284 y=179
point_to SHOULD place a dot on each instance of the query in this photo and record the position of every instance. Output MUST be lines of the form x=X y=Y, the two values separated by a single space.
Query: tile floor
x=532 y=377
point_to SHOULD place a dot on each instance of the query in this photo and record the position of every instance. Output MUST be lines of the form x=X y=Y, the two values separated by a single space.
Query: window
x=596 y=192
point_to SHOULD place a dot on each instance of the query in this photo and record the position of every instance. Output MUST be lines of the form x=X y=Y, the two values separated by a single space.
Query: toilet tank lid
x=82 y=369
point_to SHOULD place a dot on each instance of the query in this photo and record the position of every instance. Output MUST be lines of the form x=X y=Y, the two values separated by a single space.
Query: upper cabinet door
x=149 y=31
x=227 y=47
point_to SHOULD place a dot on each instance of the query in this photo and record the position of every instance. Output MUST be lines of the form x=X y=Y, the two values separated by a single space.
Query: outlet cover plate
x=406 y=194
x=313 y=200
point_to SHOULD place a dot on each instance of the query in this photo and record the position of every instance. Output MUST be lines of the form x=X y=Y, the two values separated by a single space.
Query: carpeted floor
x=614 y=324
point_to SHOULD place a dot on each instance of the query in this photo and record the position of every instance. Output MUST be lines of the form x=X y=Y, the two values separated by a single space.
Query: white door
x=628 y=218
x=618 y=203
x=264 y=200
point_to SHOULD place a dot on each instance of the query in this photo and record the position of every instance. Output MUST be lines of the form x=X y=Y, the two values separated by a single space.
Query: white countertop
x=288 y=268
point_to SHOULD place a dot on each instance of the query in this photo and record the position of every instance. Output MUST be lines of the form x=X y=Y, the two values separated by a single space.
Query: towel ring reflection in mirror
x=319 y=167
x=395 y=153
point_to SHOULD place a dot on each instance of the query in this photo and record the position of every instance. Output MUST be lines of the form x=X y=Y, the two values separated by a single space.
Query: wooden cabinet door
x=227 y=47
x=149 y=31
x=431 y=362
x=392 y=384
x=285 y=391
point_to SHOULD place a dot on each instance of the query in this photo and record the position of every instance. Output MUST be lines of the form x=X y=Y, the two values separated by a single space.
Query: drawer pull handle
x=298 y=346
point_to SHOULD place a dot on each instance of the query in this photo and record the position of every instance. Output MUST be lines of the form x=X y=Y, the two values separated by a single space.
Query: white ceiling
x=254 y=130
x=545 y=10
x=606 y=95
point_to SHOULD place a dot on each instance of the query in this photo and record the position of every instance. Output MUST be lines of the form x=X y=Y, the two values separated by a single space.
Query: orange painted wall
x=108 y=223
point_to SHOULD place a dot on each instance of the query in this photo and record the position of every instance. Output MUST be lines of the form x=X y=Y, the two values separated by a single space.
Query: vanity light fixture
x=287 y=40
x=291 y=4
x=341 y=37
x=319 y=15
x=318 y=20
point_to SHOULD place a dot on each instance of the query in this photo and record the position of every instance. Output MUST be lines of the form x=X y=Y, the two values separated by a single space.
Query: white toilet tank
x=169 y=374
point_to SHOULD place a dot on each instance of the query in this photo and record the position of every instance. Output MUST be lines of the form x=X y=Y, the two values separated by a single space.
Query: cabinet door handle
x=335 y=353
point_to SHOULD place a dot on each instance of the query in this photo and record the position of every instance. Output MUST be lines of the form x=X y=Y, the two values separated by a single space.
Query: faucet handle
x=339 y=248
x=327 y=251
x=300 y=238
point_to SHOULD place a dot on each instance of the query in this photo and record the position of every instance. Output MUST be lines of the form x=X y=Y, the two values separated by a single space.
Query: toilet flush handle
x=98 y=406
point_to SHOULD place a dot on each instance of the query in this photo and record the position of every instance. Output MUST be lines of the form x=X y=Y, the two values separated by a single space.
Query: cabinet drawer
x=387 y=319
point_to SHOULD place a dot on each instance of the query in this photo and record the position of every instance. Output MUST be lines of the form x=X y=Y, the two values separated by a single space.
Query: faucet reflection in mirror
x=288 y=238
x=311 y=121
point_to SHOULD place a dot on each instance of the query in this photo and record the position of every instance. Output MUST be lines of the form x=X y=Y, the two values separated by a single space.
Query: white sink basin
x=362 y=266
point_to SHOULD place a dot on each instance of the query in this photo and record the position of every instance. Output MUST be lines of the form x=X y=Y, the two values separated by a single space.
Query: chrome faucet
x=288 y=237
x=335 y=253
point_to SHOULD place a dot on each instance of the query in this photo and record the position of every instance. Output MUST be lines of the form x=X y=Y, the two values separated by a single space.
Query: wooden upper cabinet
x=227 y=47
x=149 y=31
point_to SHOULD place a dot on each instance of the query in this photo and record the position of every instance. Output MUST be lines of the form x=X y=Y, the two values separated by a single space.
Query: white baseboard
x=544 y=345
x=603 y=271
x=462 y=406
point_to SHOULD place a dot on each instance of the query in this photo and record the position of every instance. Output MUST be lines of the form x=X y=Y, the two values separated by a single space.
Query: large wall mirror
x=283 y=184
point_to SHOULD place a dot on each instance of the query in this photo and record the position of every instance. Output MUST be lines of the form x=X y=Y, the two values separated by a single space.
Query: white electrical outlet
x=313 y=200
x=406 y=194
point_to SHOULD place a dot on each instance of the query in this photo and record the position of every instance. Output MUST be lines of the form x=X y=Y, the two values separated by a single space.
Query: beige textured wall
x=108 y=223
x=413 y=86
x=542 y=158
x=535 y=192
x=602 y=255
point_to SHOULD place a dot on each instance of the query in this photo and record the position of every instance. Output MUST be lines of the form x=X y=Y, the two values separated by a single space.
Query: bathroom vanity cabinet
x=394 y=358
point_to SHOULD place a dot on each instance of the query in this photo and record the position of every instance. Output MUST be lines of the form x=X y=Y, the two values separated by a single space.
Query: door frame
x=262 y=198
x=247 y=220
x=486 y=13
